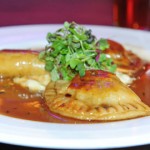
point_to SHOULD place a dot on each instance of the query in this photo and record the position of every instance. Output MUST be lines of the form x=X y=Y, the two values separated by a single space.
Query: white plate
x=50 y=135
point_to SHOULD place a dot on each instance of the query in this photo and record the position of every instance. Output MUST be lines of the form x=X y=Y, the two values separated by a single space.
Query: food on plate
x=90 y=96
x=127 y=62
x=98 y=95
x=20 y=63
x=25 y=68
x=77 y=77
x=72 y=50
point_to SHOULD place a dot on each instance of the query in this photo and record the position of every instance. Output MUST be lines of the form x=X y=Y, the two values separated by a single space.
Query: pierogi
x=127 y=62
x=99 y=95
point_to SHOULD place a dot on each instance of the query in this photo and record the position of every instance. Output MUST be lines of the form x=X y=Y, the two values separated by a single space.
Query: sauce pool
x=141 y=86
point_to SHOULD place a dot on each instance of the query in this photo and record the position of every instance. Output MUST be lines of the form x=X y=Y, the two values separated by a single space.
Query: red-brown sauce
x=141 y=86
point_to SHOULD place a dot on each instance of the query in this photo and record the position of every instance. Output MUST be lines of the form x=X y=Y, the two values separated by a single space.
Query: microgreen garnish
x=73 y=49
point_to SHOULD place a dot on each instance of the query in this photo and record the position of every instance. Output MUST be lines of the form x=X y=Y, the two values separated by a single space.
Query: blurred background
x=123 y=13
x=13 y=12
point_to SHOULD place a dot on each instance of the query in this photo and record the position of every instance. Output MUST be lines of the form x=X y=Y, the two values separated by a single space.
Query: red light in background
x=130 y=12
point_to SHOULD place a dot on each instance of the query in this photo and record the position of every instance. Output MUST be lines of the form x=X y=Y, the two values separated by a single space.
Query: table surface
x=14 y=12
